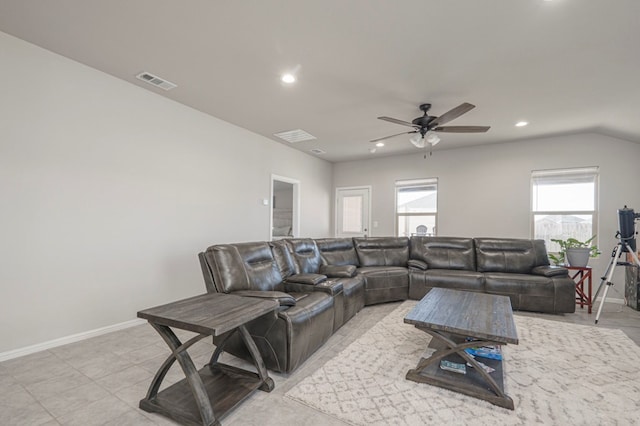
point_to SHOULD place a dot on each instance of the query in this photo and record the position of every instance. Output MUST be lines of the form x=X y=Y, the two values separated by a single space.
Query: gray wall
x=109 y=191
x=485 y=191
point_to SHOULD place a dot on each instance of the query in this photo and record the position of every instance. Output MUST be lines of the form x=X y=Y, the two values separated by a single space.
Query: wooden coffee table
x=453 y=317
x=208 y=394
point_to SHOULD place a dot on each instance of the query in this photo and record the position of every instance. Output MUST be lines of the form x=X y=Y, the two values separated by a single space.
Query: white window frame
x=409 y=183
x=567 y=173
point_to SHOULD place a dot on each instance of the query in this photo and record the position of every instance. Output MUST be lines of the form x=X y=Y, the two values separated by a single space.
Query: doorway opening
x=285 y=207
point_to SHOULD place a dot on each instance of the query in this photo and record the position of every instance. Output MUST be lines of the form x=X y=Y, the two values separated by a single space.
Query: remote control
x=453 y=366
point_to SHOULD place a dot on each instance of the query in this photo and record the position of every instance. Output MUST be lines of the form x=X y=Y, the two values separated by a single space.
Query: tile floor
x=100 y=381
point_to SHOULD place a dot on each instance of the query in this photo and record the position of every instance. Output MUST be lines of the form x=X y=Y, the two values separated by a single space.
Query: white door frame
x=335 y=210
x=295 y=223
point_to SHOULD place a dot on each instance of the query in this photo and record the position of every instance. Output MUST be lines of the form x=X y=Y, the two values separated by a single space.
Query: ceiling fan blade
x=392 y=136
x=396 y=121
x=452 y=114
x=462 y=129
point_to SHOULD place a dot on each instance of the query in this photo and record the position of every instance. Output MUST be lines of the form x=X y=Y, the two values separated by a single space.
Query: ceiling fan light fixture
x=433 y=139
x=417 y=140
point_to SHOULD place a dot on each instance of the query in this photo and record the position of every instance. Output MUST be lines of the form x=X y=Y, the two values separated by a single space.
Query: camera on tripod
x=626 y=243
x=626 y=226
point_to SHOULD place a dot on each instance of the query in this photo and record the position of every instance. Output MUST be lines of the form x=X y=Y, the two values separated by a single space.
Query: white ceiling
x=565 y=65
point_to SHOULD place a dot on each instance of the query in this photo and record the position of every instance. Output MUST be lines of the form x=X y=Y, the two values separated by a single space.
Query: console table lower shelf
x=476 y=382
x=207 y=395
x=177 y=400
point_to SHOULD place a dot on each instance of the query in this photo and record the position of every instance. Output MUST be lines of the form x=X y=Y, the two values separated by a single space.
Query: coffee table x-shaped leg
x=476 y=382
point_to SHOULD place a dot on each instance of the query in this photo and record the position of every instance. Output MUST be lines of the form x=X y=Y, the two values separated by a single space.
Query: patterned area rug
x=559 y=374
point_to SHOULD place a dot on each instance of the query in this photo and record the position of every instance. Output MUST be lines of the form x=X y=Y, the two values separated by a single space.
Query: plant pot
x=578 y=256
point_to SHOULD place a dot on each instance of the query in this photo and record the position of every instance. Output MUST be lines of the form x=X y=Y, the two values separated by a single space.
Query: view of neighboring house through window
x=416 y=207
x=564 y=204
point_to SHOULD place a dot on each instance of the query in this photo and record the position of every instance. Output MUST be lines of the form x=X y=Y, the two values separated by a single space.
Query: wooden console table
x=206 y=395
x=582 y=276
x=453 y=318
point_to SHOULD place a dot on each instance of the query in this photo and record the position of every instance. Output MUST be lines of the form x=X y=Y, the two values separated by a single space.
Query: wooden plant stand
x=583 y=279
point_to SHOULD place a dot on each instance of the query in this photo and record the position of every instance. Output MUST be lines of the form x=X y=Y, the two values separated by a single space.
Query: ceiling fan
x=425 y=126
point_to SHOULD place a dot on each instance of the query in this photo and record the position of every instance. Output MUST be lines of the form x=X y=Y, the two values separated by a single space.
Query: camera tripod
x=621 y=247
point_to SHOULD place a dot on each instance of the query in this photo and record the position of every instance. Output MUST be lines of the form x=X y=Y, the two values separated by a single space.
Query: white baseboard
x=612 y=300
x=5 y=356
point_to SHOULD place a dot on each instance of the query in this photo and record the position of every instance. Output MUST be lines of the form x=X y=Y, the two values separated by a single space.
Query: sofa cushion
x=382 y=251
x=417 y=264
x=542 y=258
x=305 y=255
x=309 y=279
x=420 y=282
x=338 y=271
x=444 y=252
x=508 y=255
x=550 y=271
x=288 y=339
x=244 y=266
x=337 y=251
x=385 y=283
x=530 y=292
x=284 y=299
x=283 y=258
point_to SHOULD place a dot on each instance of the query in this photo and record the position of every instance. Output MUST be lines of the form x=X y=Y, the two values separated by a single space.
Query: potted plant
x=574 y=252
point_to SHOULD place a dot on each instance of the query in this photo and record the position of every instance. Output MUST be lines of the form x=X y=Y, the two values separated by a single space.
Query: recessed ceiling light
x=380 y=144
x=521 y=123
x=288 y=78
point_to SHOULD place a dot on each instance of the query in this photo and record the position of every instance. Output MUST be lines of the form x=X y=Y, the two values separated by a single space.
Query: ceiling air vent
x=293 y=136
x=318 y=151
x=156 y=81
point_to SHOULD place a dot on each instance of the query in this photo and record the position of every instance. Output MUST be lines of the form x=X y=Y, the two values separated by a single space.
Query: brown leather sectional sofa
x=323 y=283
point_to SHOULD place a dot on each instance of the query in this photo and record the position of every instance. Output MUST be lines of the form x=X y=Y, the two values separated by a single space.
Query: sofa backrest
x=506 y=255
x=382 y=251
x=337 y=251
x=444 y=252
x=305 y=255
x=542 y=258
x=243 y=266
x=282 y=255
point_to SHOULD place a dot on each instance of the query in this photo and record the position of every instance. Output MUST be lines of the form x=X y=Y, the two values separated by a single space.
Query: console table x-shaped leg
x=209 y=410
x=477 y=382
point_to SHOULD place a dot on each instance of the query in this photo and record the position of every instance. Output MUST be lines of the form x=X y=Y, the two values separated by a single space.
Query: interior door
x=352 y=211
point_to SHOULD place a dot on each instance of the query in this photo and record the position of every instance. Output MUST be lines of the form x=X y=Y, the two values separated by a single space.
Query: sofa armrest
x=308 y=279
x=297 y=287
x=330 y=286
x=338 y=271
x=550 y=271
x=283 y=298
x=417 y=264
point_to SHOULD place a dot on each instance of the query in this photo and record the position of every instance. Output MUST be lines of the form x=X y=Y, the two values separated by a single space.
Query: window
x=563 y=204
x=416 y=207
